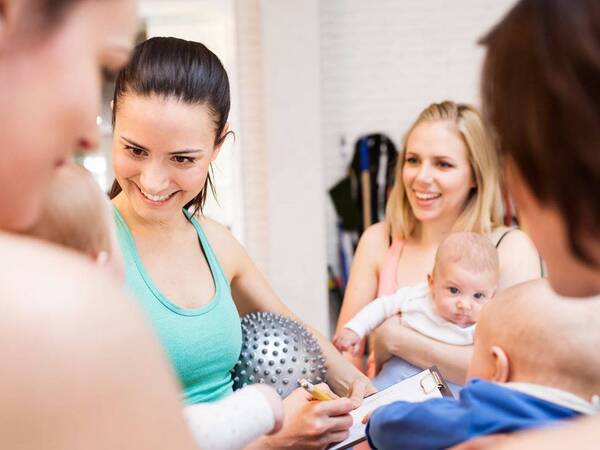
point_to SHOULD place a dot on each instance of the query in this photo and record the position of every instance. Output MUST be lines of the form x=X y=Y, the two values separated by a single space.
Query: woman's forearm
x=421 y=351
x=341 y=373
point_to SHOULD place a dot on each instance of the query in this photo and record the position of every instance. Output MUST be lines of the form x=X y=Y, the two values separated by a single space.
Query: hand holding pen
x=313 y=390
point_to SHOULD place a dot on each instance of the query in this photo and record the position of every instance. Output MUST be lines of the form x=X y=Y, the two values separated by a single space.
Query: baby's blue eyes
x=453 y=290
x=479 y=296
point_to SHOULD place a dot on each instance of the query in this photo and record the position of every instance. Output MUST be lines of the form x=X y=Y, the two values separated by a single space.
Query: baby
x=446 y=308
x=538 y=354
x=77 y=215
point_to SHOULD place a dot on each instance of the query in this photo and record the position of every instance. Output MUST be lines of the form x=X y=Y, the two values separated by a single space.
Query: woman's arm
x=364 y=273
x=252 y=293
x=519 y=260
x=309 y=424
x=392 y=338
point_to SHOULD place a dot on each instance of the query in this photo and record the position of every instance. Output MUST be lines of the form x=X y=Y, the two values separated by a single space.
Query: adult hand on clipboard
x=313 y=424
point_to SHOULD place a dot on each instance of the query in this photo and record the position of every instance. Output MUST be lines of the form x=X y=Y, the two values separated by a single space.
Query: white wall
x=383 y=61
x=211 y=22
x=281 y=138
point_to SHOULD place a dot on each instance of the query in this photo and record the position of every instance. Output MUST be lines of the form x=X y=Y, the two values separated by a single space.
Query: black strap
x=542 y=274
x=503 y=236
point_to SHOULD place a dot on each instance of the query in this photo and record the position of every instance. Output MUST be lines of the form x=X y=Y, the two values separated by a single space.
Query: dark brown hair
x=40 y=18
x=185 y=70
x=541 y=92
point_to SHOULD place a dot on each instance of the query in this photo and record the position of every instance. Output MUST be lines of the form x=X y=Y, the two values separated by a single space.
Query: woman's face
x=162 y=150
x=50 y=86
x=568 y=275
x=437 y=175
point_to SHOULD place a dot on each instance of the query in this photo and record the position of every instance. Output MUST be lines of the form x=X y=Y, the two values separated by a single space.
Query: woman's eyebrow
x=133 y=143
x=176 y=152
x=186 y=151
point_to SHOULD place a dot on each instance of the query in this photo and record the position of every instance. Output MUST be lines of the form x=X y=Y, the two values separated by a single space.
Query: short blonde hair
x=483 y=210
x=75 y=213
x=472 y=250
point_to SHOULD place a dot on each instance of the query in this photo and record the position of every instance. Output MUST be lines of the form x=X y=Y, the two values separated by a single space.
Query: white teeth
x=155 y=198
x=425 y=195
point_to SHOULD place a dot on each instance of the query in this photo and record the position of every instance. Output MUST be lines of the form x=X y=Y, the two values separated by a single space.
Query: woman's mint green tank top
x=203 y=344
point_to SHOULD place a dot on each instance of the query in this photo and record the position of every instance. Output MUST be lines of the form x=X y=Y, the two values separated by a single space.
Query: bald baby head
x=545 y=339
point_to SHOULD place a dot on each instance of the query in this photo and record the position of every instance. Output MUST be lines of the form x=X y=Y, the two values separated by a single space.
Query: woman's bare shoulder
x=51 y=276
x=230 y=252
x=377 y=235
x=375 y=240
x=512 y=238
x=72 y=330
x=218 y=234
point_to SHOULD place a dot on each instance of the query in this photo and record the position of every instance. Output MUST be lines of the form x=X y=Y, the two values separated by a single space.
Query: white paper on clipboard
x=422 y=386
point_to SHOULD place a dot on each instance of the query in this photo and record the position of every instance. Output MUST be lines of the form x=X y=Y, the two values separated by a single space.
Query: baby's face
x=458 y=293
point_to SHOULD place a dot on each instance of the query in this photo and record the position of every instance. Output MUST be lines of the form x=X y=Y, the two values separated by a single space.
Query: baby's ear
x=430 y=281
x=102 y=258
x=501 y=365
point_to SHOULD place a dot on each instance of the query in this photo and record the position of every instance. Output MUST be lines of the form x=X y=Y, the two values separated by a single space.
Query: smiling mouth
x=425 y=196
x=156 y=199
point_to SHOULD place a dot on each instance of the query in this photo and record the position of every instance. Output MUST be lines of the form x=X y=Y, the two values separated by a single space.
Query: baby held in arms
x=535 y=362
x=445 y=308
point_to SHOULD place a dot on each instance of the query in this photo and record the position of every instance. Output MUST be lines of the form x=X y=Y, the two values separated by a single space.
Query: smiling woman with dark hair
x=192 y=277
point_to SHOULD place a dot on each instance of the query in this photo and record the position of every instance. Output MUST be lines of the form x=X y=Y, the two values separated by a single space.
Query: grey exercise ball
x=277 y=351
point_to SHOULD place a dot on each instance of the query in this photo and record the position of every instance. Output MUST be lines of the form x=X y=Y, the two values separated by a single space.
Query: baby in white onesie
x=445 y=308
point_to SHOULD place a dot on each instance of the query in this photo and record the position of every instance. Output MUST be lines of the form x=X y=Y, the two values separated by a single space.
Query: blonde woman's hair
x=483 y=209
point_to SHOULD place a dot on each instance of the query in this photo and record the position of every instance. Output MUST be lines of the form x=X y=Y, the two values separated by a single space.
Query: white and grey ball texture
x=277 y=351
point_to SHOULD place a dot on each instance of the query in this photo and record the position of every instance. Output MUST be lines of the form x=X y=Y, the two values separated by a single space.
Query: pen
x=317 y=393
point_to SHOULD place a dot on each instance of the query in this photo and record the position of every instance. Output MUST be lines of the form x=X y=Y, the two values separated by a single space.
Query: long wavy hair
x=483 y=209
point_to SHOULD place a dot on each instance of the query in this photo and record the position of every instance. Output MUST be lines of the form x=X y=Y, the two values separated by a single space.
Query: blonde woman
x=447 y=179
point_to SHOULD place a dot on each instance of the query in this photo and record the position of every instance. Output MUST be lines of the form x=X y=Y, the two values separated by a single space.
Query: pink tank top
x=388 y=281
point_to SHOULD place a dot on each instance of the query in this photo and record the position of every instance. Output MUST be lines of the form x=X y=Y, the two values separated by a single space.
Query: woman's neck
x=140 y=226
x=432 y=233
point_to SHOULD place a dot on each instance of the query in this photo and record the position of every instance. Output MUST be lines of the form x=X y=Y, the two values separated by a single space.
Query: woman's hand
x=388 y=332
x=421 y=351
x=311 y=424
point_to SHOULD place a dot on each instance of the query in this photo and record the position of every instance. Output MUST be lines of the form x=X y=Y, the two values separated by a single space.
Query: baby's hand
x=347 y=340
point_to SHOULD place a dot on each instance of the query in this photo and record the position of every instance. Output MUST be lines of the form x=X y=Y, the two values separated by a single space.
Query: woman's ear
x=220 y=141
x=501 y=365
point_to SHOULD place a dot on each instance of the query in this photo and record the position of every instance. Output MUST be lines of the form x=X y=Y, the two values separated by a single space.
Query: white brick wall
x=383 y=61
x=251 y=137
